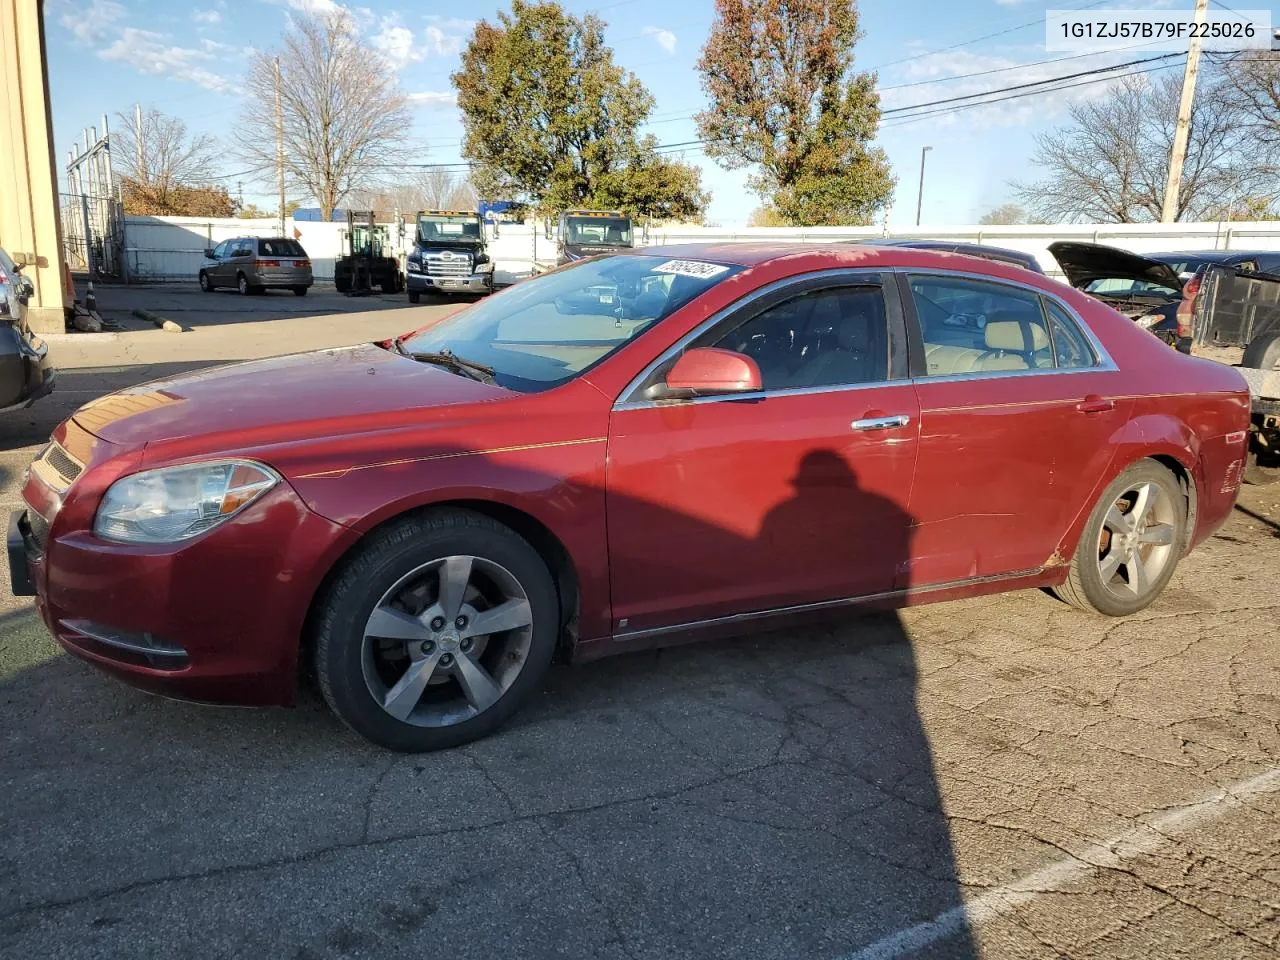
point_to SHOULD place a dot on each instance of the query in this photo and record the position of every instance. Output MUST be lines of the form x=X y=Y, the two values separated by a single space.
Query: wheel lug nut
x=460 y=622
x=446 y=660
x=437 y=623
x=466 y=643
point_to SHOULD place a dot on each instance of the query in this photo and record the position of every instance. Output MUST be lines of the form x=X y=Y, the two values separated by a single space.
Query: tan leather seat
x=1006 y=350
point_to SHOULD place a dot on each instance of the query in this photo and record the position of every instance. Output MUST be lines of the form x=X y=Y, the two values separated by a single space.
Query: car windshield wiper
x=449 y=360
x=398 y=346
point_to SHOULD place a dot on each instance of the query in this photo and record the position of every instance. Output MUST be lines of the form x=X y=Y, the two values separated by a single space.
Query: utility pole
x=279 y=147
x=1178 y=156
x=920 y=195
x=137 y=140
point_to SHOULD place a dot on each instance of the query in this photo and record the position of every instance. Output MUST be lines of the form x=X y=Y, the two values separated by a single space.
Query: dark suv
x=25 y=373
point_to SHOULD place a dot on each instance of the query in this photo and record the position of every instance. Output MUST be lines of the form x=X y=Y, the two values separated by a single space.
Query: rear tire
x=1130 y=545
x=242 y=284
x=1261 y=468
x=299 y=291
x=398 y=693
x=1263 y=352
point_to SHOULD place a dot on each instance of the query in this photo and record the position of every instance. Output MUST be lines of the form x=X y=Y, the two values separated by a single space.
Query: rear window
x=281 y=248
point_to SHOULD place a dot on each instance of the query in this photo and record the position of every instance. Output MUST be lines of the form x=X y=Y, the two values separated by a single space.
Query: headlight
x=175 y=503
x=486 y=267
x=412 y=266
x=1149 y=321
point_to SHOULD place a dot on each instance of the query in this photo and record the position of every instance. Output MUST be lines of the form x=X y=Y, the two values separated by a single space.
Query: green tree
x=786 y=100
x=550 y=119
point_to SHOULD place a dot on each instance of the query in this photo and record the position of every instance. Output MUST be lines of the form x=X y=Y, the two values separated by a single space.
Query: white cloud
x=452 y=24
x=432 y=98
x=314 y=6
x=91 y=23
x=396 y=42
x=147 y=52
x=441 y=43
x=996 y=74
x=206 y=16
x=664 y=38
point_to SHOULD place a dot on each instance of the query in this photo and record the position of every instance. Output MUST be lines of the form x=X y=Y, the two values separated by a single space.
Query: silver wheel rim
x=244 y=285
x=1136 y=543
x=204 y=281
x=446 y=641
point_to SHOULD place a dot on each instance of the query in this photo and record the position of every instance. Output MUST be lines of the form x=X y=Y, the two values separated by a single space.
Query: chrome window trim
x=1104 y=362
x=856 y=276
x=765 y=394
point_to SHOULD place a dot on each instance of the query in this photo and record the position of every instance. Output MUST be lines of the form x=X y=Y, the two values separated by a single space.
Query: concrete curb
x=164 y=324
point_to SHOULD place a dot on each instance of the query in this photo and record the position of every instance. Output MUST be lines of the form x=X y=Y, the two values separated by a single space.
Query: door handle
x=1095 y=404
x=881 y=423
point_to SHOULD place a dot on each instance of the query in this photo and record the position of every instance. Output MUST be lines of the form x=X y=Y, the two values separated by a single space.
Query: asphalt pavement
x=998 y=777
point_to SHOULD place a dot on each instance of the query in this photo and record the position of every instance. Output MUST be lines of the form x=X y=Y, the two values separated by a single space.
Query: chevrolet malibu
x=631 y=451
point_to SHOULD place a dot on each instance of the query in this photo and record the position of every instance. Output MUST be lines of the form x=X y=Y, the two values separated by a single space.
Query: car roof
x=1220 y=255
x=844 y=253
x=984 y=251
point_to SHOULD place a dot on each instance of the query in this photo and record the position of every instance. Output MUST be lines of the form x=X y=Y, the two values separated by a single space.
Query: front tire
x=1130 y=545
x=415 y=296
x=205 y=284
x=436 y=631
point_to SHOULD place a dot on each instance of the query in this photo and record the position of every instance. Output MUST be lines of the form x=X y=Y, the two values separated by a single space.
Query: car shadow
x=1264 y=520
x=765 y=794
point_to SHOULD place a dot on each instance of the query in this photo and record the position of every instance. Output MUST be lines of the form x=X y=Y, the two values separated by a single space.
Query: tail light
x=1187 y=308
x=302 y=263
x=267 y=263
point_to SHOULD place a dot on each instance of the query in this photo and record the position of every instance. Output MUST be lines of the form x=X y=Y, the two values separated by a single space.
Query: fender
x=1142 y=437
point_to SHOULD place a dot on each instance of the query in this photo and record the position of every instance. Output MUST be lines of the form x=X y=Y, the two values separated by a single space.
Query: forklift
x=365 y=263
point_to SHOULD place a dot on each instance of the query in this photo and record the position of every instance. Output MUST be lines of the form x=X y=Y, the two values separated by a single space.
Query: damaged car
x=1149 y=292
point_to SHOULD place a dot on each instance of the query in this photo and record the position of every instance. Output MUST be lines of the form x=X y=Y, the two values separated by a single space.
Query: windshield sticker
x=691 y=268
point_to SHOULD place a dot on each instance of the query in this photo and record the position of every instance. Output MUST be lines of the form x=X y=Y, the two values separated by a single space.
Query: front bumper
x=475 y=283
x=216 y=619
x=27 y=373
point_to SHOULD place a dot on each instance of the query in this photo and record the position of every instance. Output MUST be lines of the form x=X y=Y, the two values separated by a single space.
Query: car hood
x=1085 y=262
x=305 y=394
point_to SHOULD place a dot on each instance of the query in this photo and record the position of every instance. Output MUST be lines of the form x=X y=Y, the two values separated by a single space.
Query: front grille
x=61 y=461
x=458 y=265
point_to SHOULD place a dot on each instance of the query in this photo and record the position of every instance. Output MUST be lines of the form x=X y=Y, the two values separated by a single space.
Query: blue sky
x=184 y=59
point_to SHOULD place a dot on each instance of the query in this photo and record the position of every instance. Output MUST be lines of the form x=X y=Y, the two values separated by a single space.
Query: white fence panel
x=172 y=248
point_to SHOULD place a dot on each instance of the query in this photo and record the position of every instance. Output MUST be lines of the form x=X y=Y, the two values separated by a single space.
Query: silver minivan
x=255 y=264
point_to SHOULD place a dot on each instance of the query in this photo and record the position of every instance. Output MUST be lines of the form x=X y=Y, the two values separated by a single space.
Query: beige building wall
x=29 y=228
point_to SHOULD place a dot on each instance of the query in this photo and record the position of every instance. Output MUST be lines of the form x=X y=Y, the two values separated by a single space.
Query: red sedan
x=627 y=452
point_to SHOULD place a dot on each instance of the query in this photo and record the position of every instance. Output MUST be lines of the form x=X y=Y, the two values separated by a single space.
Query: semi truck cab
x=449 y=255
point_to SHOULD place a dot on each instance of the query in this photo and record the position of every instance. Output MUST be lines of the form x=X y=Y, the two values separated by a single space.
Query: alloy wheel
x=446 y=641
x=1136 y=542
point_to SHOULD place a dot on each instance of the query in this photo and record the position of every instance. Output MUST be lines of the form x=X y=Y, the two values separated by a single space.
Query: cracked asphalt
x=998 y=777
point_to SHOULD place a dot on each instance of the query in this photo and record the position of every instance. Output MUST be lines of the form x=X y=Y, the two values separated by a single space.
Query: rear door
x=1017 y=405
x=722 y=506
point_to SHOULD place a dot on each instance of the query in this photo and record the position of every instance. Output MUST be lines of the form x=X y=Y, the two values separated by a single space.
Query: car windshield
x=601 y=230
x=441 y=228
x=1126 y=287
x=548 y=330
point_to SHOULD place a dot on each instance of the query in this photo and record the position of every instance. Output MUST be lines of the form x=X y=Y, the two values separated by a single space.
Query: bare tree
x=344 y=112
x=1255 y=78
x=426 y=190
x=160 y=157
x=1110 y=163
x=1006 y=213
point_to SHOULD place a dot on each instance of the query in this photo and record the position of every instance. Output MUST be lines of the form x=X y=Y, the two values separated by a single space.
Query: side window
x=823 y=338
x=220 y=250
x=1069 y=344
x=242 y=248
x=973 y=326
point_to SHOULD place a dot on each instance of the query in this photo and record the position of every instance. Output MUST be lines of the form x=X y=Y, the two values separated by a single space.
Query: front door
x=1017 y=405
x=795 y=495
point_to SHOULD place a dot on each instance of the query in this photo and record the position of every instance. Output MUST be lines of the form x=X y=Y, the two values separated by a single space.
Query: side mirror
x=710 y=371
x=208 y=252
